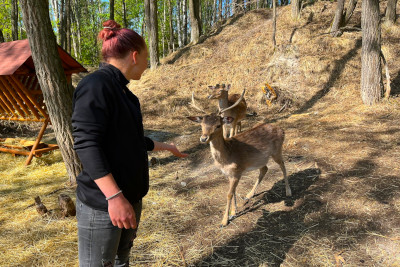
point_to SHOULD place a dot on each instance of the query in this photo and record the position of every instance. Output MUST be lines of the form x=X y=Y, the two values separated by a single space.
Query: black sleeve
x=90 y=118
x=149 y=143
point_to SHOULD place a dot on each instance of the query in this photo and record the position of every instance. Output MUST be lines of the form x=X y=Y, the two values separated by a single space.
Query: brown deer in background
x=246 y=151
x=238 y=113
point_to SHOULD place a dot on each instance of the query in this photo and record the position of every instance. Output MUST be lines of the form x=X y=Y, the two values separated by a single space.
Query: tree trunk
x=296 y=9
x=349 y=11
x=62 y=25
x=239 y=6
x=227 y=10
x=124 y=11
x=1 y=36
x=194 y=6
x=220 y=9
x=77 y=15
x=171 y=46
x=152 y=31
x=112 y=9
x=74 y=32
x=68 y=25
x=371 y=69
x=338 y=19
x=54 y=4
x=274 y=23
x=214 y=12
x=14 y=19
x=179 y=22
x=57 y=92
x=391 y=11
x=185 y=22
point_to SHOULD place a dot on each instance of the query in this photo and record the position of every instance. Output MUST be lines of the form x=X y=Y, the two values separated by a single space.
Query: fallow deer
x=246 y=151
x=238 y=113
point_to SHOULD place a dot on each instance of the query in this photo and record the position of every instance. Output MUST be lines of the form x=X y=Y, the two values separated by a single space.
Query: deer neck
x=218 y=148
x=223 y=102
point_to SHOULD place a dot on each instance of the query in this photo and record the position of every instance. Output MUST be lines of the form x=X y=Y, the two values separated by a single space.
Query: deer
x=238 y=113
x=249 y=150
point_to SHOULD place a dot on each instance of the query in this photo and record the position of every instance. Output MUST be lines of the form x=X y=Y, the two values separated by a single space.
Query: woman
x=109 y=140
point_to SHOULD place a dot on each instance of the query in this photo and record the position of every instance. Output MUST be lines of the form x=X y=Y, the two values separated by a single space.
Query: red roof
x=16 y=58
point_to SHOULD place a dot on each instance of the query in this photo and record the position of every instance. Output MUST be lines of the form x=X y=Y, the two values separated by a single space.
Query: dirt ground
x=342 y=157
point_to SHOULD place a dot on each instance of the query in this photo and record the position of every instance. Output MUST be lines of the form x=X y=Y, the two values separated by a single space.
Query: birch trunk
x=171 y=45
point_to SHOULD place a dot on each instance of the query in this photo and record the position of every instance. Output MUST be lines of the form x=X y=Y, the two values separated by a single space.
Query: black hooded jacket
x=108 y=137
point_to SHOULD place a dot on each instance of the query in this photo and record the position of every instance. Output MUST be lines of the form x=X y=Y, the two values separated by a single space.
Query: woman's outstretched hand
x=175 y=151
x=158 y=146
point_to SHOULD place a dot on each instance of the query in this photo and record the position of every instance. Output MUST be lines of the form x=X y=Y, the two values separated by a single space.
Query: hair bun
x=111 y=24
x=108 y=30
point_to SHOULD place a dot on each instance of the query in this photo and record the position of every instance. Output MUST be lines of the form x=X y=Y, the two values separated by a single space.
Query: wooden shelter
x=21 y=98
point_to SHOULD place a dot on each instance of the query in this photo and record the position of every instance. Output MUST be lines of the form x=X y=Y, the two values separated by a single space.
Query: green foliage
x=88 y=16
x=5 y=19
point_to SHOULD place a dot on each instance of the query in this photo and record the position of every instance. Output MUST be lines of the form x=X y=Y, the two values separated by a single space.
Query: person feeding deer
x=109 y=140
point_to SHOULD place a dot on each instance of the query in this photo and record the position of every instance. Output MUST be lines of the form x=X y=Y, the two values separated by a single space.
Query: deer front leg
x=233 y=131
x=226 y=132
x=233 y=182
x=238 y=127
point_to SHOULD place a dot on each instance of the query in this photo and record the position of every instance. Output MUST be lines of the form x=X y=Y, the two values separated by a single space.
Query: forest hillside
x=341 y=156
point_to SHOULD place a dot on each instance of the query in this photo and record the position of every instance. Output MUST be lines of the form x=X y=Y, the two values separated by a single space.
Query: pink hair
x=117 y=42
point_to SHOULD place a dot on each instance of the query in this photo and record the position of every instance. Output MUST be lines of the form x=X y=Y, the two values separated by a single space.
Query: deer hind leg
x=263 y=171
x=233 y=182
x=234 y=206
x=278 y=159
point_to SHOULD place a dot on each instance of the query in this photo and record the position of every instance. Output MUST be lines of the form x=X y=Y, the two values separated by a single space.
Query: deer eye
x=218 y=126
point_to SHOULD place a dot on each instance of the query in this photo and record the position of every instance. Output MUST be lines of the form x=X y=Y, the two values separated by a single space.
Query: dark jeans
x=100 y=243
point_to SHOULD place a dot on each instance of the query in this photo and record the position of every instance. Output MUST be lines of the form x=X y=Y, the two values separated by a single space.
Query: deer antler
x=193 y=104
x=234 y=105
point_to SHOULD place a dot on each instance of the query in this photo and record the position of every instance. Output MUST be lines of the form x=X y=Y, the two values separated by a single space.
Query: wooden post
x=28 y=161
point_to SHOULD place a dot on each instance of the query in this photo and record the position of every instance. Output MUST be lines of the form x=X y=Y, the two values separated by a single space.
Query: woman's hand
x=175 y=151
x=158 y=146
x=121 y=212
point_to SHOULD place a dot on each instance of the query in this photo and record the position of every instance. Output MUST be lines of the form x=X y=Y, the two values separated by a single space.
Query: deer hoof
x=224 y=223
x=288 y=192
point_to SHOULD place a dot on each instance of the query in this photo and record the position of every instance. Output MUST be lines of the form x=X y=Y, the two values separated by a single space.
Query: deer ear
x=227 y=120
x=211 y=87
x=197 y=119
x=228 y=87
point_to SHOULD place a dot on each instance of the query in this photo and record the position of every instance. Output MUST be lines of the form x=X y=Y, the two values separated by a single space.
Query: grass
x=342 y=158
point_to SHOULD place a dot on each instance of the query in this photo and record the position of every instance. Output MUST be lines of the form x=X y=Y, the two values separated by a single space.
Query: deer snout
x=204 y=138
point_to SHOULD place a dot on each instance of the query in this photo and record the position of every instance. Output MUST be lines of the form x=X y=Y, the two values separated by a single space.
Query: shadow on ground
x=275 y=232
